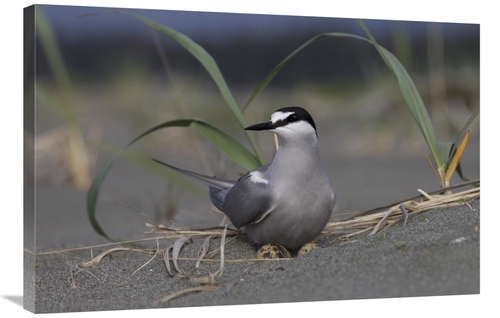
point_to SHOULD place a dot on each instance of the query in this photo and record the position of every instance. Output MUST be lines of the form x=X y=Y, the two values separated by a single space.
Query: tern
x=287 y=202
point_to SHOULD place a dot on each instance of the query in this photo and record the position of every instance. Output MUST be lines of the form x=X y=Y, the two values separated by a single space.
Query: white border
x=483 y=12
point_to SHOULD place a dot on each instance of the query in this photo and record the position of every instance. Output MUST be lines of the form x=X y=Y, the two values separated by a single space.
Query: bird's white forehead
x=277 y=116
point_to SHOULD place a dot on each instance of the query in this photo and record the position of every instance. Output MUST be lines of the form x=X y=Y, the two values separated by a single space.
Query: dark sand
x=436 y=253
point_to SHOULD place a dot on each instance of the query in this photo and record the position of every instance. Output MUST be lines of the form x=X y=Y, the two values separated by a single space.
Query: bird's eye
x=293 y=118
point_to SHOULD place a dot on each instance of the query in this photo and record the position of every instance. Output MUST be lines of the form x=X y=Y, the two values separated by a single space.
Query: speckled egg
x=272 y=251
x=306 y=248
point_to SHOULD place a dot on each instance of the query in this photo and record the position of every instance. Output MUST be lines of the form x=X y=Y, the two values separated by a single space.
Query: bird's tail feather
x=211 y=181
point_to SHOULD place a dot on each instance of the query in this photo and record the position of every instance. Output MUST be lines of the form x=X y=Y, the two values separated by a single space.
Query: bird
x=287 y=202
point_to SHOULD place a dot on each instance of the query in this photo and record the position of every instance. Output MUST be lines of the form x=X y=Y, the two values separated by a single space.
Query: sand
x=436 y=253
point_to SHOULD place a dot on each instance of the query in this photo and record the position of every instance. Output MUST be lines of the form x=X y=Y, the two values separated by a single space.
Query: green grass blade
x=223 y=141
x=277 y=68
x=408 y=89
x=461 y=175
x=142 y=160
x=461 y=135
x=444 y=150
x=412 y=97
x=416 y=106
x=228 y=145
x=210 y=65
x=50 y=47
x=378 y=47
x=93 y=193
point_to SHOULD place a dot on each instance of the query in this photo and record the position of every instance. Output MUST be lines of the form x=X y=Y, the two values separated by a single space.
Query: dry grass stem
x=425 y=194
x=172 y=232
x=419 y=197
x=347 y=236
x=433 y=168
x=149 y=261
x=96 y=260
x=359 y=224
x=186 y=291
x=377 y=221
x=241 y=260
x=210 y=279
x=383 y=220
x=96 y=246
x=176 y=251
x=222 y=244
x=202 y=252
x=166 y=260
x=212 y=253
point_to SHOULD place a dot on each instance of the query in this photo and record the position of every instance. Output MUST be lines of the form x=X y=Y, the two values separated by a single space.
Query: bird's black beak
x=263 y=126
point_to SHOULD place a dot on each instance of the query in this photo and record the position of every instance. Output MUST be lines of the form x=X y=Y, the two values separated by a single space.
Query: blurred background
x=103 y=79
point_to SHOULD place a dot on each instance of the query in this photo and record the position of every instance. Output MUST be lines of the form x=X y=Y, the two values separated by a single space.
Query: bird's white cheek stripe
x=295 y=129
x=257 y=177
x=277 y=116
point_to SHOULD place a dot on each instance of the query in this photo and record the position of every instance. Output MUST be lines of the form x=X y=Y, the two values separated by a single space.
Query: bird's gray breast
x=300 y=210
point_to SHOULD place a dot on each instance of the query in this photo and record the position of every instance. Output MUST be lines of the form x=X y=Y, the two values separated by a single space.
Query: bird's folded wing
x=247 y=202
x=217 y=196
